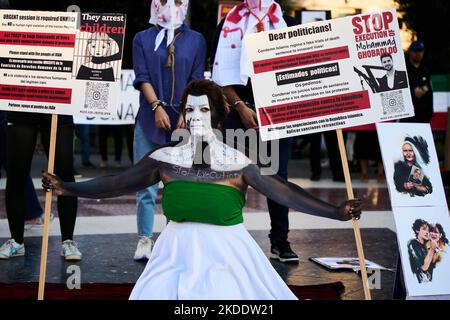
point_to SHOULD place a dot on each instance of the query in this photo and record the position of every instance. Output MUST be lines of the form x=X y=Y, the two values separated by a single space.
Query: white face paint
x=198 y=115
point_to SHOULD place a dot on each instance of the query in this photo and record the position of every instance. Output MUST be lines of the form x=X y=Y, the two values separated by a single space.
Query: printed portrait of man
x=393 y=79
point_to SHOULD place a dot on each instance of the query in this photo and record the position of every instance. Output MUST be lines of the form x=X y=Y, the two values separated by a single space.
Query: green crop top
x=204 y=202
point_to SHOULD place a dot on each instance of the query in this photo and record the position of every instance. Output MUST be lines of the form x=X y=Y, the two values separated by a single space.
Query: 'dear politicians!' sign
x=60 y=62
x=328 y=75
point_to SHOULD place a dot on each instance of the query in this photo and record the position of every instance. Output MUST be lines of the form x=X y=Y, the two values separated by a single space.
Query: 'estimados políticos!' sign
x=328 y=75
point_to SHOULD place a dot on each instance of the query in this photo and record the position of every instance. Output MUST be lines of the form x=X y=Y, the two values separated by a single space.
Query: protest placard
x=97 y=64
x=36 y=55
x=69 y=64
x=328 y=75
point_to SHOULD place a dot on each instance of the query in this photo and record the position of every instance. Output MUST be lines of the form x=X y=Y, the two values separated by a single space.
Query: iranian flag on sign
x=441 y=100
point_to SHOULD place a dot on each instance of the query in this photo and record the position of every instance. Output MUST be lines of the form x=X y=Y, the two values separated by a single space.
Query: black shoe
x=282 y=251
x=315 y=177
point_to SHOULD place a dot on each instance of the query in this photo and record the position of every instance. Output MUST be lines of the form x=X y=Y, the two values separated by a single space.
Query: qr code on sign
x=392 y=102
x=97 y=95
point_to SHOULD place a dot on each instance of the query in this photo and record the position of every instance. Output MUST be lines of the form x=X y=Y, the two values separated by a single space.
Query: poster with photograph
x=36 y=57
x=126 y=108
x=97 y=64
x=328 y=75
x=423 y=238
x=411 y=164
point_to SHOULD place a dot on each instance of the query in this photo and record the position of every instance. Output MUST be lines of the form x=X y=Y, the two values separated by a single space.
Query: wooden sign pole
x=356 y=229
x=48 y=206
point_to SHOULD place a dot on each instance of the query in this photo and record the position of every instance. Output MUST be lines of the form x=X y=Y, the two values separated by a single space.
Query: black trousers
x=20 y=144
x=279 y=214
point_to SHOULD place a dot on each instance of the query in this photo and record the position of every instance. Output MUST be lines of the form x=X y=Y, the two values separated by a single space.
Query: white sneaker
x=144 y=248
x=11 y=249
x=103 y=164
x=69 y=250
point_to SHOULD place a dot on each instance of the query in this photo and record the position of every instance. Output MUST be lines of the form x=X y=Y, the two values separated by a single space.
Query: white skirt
x=197 y=261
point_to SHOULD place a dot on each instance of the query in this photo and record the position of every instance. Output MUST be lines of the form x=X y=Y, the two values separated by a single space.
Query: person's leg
x=118 y=143
x=33 y=208
x=103 y=142
x=279 y=214
x=83 y=131
x=67 y=206
x=380 y=172
x=361 y=154
x=145 y=199
x=129 y=136
x=18 y=164
x=334 y=155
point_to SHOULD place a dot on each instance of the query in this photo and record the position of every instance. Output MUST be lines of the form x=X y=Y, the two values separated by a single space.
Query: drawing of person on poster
x=421 y=257
x=427 y=249
x=408 y=173
x=437 y=234
x=99 y=45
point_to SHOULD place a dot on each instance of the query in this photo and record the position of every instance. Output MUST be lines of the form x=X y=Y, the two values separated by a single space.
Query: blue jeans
x=145 y=199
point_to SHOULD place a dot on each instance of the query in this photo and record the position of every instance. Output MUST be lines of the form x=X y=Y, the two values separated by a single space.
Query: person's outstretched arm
x=292 y=196
x=145 y=173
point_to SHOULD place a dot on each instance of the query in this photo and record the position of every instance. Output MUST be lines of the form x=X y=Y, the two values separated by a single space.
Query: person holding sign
x=166 y=57
x=230 y=70
x=205 y=252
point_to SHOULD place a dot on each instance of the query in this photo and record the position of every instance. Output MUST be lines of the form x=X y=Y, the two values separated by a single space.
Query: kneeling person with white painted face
x=205 y=252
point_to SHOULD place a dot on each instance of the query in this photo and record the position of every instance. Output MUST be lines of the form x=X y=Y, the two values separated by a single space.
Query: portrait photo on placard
x=411 y=164
x=423 y=237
